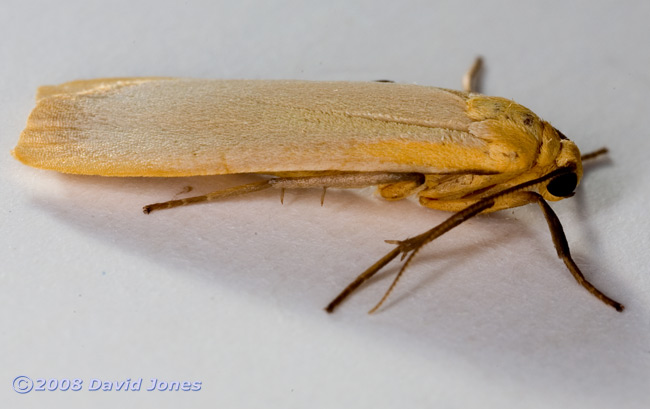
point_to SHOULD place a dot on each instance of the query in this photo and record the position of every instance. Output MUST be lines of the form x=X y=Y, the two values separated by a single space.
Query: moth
x=457 y=151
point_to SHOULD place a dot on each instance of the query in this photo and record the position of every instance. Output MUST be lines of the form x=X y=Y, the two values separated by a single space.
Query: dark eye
x=563 y=185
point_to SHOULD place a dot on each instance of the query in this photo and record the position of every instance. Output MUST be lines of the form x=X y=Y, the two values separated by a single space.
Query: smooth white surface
x=231 y=294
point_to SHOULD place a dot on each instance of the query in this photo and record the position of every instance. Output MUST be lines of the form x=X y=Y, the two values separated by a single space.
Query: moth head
x=568 y=160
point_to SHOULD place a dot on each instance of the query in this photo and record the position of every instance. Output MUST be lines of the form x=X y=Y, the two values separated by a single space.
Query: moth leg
x=337 y=180
x=562 y=247
x=349 y=180
x=219 y=194
x=362 y=278
x=412 y=246
x=345 y=181
x=472 y=76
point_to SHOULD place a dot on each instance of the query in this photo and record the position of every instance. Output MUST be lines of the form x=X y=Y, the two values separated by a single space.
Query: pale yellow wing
x=183 y=127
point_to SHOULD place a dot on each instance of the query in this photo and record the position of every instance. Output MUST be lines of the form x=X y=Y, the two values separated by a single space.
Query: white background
x=231 y=294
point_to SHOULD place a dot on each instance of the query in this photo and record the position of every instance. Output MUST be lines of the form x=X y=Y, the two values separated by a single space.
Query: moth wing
x=184 y=127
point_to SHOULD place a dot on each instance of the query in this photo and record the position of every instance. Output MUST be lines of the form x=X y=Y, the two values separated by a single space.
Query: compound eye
x=563 y=185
